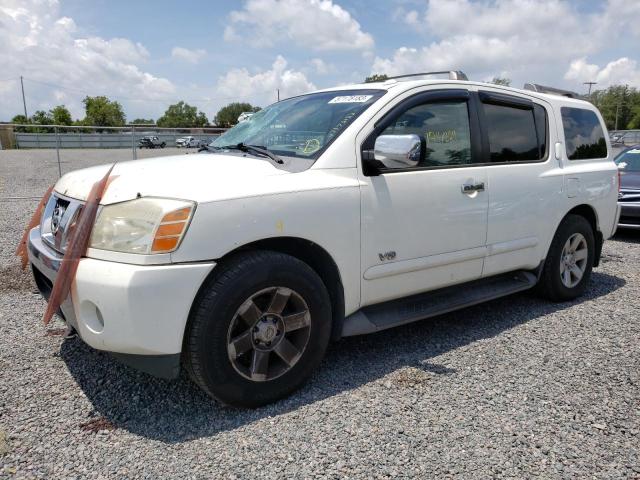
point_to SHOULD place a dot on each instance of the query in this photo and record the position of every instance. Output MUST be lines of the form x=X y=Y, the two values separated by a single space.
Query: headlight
x=145 y=225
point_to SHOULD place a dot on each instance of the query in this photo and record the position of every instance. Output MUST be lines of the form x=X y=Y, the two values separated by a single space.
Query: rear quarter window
x=583 y=134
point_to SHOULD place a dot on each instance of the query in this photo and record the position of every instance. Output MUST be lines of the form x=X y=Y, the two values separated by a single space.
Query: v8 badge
x=387 y=256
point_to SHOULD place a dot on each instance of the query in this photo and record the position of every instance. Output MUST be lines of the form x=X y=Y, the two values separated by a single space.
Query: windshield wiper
x=255 y=149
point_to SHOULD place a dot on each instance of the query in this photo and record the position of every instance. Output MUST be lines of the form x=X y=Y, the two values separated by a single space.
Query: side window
x=583 y=134
x=443 y=128
x=516 y=134
x=542 y=129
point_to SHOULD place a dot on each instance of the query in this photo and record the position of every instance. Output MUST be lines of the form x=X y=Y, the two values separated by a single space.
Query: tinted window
x=540 y=114
x=512 y=132
x=629 y=161
x=444 y=127
x=583 y=134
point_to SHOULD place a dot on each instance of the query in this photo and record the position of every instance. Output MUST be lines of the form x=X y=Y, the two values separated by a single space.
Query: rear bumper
x=629 y=215
x=137 y=312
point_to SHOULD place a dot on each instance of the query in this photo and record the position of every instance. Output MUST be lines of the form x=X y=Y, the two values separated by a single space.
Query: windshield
x=629 y=161
x=301 y=126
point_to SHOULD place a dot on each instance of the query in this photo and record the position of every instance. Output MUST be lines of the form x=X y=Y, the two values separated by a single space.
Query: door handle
x=472 y=187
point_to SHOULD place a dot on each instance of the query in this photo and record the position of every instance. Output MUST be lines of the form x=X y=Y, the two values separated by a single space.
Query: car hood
x=199 y=177
x=630 y=180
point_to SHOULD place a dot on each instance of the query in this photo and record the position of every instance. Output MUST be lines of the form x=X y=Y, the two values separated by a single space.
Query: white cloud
x=623 y=71
x=410 y=17
x=189 y=56
x=320 y=25
x=527 y=40
x=261 y=87
x=45 y=47
x=320 y=66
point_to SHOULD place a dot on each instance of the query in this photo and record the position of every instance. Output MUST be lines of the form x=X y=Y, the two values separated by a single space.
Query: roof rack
x=453 y=75
x=552 y=90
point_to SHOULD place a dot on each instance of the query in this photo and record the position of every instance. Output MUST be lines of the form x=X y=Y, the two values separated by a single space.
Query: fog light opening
x=92 y=317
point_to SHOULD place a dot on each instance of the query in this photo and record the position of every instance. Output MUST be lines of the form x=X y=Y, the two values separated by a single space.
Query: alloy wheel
x=268 y=333
x=573 y=260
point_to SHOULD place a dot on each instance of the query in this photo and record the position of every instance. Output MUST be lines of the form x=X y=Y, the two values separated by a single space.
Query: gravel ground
x=514 y=388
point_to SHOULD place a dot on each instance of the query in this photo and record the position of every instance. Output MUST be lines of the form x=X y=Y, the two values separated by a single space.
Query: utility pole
x=278 y=94
x=591 y=84
x=24 y=102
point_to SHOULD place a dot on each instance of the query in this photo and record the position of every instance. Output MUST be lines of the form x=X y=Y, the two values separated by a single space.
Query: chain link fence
x=33 y=157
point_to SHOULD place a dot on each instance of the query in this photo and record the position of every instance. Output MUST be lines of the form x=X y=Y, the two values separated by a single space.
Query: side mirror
x=398 y=151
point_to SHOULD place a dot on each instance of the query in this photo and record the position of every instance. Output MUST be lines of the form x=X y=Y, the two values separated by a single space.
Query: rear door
x=525 y=180
x=424 y=226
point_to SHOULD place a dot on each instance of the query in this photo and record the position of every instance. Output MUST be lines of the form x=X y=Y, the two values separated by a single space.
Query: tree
x=501 y=81
x=619 y=106
x=102 y=112
x=143 y=121
x=20 y=119
x=40 y=117
x=60 y=115
x=376 y=77
x=182 y=114
x=634 y=123
x=228 y=115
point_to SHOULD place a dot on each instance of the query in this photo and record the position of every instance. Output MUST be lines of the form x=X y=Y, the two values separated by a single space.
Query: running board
x=375 y=318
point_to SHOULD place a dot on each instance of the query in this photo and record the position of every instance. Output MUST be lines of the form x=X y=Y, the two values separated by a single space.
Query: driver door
x=424 y=224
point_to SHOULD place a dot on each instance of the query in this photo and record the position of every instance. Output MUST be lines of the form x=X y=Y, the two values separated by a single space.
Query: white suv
x=341 y=212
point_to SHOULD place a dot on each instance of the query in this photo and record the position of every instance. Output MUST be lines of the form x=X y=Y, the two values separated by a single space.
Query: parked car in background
x=190 y=142
x=180 y=142
x=621 y=138
x=369 y=206
x=245 y=116
x=151 y=142
x=628 y=162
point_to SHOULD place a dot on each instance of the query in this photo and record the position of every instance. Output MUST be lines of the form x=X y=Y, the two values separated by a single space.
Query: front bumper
x=137 y=312
x=629 y=215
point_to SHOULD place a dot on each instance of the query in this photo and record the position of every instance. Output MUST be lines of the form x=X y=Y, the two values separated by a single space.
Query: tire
x=220 y=313
x=162 y=145
x=553 y=282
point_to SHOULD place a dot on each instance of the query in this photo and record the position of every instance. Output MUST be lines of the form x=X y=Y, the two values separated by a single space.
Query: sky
x=149 y=54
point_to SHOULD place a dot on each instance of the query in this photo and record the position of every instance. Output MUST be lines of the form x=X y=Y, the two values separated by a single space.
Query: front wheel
x=568 y=265
x=258 y=329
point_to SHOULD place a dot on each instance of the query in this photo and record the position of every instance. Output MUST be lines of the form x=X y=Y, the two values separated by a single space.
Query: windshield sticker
x=311 y=146
x=444 y=136
x=351 y=99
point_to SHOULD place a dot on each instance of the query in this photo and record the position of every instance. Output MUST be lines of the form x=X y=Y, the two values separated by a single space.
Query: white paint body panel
x=144 y=308
x=441 y=235
x=421 y=216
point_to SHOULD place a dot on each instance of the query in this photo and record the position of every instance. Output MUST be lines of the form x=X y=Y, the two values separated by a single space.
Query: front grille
x=628 y=196
x=42 y=282
x=58 y=220
x=628 y=220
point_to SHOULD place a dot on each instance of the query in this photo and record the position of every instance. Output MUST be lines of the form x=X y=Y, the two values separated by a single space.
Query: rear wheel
x=568 y=265
x=257 y=329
